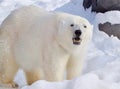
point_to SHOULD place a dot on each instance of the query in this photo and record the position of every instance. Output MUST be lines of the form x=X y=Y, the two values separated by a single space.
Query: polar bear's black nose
x=78 y=32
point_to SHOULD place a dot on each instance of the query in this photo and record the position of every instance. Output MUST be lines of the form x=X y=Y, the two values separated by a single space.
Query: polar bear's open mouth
x=76 y=41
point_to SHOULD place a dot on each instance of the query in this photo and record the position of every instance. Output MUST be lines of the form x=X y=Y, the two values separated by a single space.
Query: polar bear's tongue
x=76 y=41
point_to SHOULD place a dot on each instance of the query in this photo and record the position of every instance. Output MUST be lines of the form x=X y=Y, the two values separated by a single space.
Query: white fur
x=41 y=42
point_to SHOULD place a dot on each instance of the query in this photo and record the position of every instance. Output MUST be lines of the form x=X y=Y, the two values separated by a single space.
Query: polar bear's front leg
x=33 y=75
x=74 y=67
x=55 y=74
x=55 y=71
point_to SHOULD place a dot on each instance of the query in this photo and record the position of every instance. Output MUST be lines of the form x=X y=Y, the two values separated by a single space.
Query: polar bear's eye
x=71 y=25
x=85 y=26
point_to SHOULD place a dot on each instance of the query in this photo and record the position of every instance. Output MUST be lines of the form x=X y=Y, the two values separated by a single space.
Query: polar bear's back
x=22 y=16
x=30 y=20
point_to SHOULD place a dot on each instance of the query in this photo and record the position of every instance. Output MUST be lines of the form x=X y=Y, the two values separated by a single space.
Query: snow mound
x=88 y=81
x=111 y=16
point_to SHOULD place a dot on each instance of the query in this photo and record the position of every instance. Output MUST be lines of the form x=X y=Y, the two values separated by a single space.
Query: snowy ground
x=102 y=66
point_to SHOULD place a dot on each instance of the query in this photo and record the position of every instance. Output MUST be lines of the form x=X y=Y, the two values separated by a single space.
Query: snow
x=102 y=66
x=88 y=81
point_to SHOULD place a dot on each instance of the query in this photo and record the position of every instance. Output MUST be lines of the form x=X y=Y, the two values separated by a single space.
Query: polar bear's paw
x=9 y=85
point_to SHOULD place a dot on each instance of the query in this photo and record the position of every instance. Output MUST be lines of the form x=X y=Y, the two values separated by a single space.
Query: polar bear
x=46 y=45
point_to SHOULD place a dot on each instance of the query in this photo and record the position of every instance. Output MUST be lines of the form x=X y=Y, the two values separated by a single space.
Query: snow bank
x=88 y=81
x=105 y=61
x=111 y=16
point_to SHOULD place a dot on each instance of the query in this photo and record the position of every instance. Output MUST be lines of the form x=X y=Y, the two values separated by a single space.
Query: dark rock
x=102 y=5
x=87 y=3
x=110 y=29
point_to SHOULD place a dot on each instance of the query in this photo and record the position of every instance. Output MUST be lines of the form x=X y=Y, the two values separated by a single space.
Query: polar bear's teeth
x=76 y=42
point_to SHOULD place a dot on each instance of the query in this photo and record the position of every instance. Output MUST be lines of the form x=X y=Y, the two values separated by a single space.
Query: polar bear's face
x=73 y=31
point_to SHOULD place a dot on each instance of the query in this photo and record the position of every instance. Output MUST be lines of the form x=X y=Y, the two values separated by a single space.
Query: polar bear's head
x=73 y=31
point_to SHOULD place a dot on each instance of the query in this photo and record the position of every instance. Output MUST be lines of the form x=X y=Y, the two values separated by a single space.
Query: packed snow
x=102 y=65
